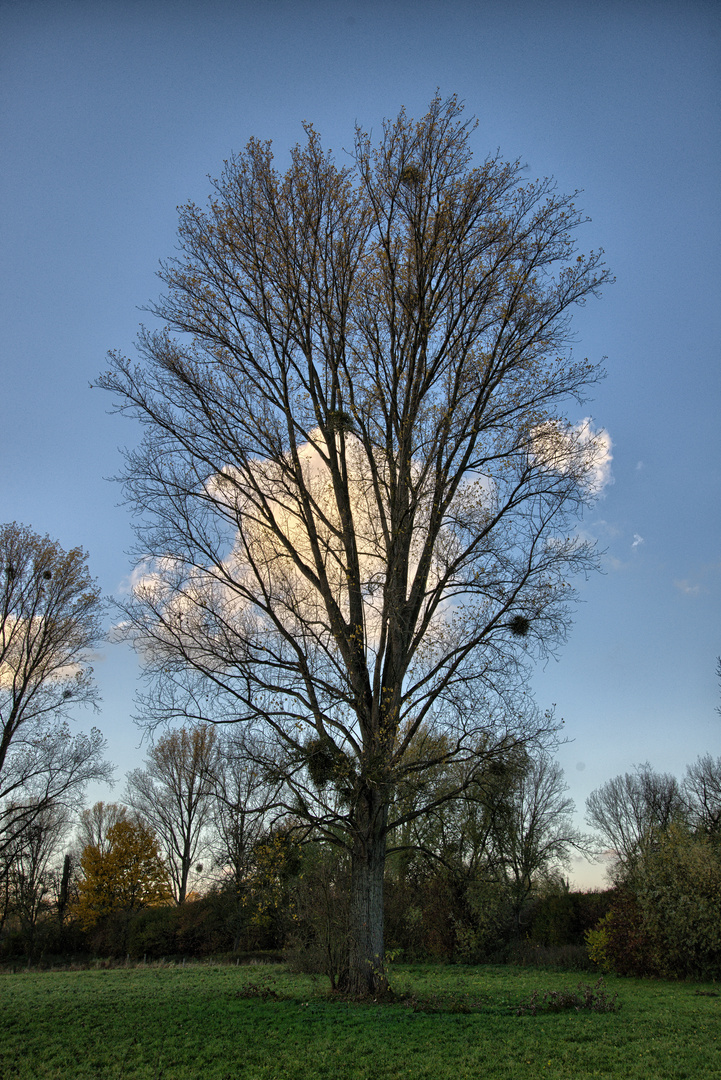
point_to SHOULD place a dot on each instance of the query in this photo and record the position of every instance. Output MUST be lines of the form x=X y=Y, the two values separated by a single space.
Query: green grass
x=163 y=1023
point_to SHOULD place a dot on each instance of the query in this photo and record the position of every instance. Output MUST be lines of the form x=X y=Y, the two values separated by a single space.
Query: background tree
x=444 y=869
x=29 y=870
x=702 y=793
x=95 y=823
x=533 y=829
x=241 y=814
x=130 y=875
x=49 y=621
x=486 y=854
x=173 y=795
x=630 y=811
x=62 y=878
x=665 y=920
x=358 y=479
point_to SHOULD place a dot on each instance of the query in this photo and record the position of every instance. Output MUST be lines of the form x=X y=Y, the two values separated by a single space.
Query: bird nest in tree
x=411 y=176
x=519 y=625
x=338 y=420
x=327 y=764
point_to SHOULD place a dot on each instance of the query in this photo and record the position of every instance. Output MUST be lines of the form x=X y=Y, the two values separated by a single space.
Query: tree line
x=197 y=860
x=201 y=815
x=203 y=853
x=210 y=811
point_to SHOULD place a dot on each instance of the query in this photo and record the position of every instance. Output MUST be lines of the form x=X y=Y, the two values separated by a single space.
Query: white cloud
x=189 y=597
x=597 y=445
x=685 y=586
x=578 y=449
x=150 y=574
x=637 y=540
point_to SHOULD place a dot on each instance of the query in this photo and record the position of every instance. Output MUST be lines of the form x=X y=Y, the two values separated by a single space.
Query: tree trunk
x=366 y=965
x=64 y=893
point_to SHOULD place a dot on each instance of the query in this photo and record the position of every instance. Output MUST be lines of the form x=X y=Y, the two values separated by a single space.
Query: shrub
x=564 y=918
x=594 y=998
x=624 y=941
x=151 y=933
x=558 y=957
x=447 y=915
x=597 y=946
x=665 y=920
x=678 y=890
x=258 y=992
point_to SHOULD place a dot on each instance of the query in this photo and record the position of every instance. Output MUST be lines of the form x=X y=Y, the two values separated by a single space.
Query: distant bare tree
x=29 y=868
x=243 y=798
x=456 y=834
x=173 y=795
x=702 y=790
x=533 y=828
x=49 y=621
x=95 y=822
x=244 y=806
x=630 y=810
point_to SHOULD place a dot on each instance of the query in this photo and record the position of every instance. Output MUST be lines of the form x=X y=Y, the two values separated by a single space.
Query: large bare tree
x=358 y=479
x=49 y=622
x=241 y=807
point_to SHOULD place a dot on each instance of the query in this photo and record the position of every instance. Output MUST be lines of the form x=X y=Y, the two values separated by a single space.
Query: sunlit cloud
x=637 y=541
x=598 y=445
x=21 y=644
x=150 y=573
x=578 y=449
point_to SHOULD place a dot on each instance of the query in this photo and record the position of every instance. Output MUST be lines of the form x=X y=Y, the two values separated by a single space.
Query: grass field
x=164 y=1022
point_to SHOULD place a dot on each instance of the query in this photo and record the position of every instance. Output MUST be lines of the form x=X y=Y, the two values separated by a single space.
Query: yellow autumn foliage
x=129 y=875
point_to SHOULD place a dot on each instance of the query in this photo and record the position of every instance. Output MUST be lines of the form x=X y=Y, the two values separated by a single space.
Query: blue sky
x=113 y=113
